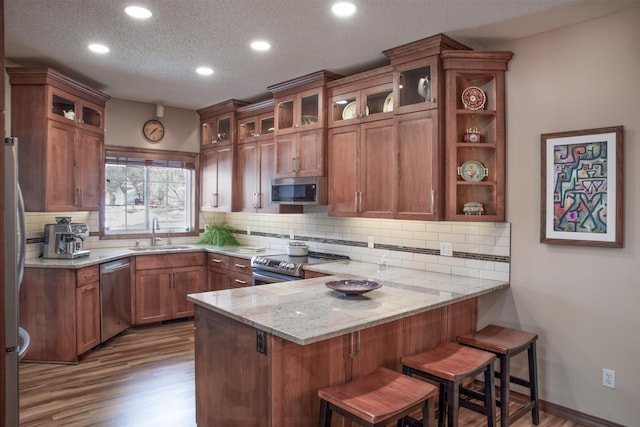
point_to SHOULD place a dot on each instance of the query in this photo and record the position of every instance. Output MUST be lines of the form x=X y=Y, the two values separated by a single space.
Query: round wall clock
x=153 y=130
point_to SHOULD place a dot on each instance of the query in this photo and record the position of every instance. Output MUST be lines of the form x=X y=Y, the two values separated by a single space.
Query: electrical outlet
x=370 y=242
x=446 y=249
x=291 y=235
x=248 y=231
x=609 y=378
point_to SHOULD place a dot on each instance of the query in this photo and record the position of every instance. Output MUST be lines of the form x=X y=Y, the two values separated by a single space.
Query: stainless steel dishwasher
x=115 y=298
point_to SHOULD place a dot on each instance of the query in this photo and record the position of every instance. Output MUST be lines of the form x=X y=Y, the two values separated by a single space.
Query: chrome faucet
x=154 y=226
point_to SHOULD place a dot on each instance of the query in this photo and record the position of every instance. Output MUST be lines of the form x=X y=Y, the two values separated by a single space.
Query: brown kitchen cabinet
x=419 y=166
x=218 y=123
x=61 y=310
x=162 y=282
x=87 y=308
x=253 y=179
x=60 y=125
x=256 y=122
x=475 y=165
x=216 y=178
x=362 y=170
x=218 y=138
x=300 y=154
x=225 y=272
x=361 y=97
x=301 y=113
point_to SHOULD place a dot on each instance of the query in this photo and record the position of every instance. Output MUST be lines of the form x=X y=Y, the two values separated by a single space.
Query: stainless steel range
x=283 y=268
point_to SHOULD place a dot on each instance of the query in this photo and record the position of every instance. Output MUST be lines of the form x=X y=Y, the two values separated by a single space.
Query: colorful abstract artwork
x=582 y=187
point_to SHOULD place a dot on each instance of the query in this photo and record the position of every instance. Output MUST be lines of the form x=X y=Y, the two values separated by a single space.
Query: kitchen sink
x=159 y=248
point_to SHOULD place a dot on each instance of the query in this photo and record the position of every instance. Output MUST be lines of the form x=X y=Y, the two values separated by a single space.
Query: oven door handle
x=267 y=278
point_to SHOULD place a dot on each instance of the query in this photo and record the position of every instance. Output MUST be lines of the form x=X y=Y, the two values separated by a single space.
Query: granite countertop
x=306 y=311
x=98 y=256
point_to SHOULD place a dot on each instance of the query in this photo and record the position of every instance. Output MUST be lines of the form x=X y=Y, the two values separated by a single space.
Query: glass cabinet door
x=309 y=106
x=378 y=100
x=417 y=86
x=344 y=109
x=301 y=110
x=91 y=116
x=216 y=131
x=246 y=129
x=63 y=107
x=266 y=125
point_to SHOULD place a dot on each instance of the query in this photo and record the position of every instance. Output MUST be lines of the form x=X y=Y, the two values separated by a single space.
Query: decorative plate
x=474 y=98
x=349 y=111
x=388 y=103
x=472 y=171
x=353 y=287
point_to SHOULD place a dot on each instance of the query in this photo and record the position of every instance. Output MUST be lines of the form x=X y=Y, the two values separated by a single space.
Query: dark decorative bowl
x=353 y=287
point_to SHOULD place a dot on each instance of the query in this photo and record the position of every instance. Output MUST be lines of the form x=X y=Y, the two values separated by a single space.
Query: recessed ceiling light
x=343 y=9
x=204 y=71
x=98 y=48
x=260 y=45
x=138 y=12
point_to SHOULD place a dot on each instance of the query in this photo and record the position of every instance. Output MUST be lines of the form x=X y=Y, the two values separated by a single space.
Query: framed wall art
x=582 y=187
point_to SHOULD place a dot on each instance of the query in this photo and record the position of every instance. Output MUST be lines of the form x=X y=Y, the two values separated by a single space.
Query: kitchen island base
x=238 y=386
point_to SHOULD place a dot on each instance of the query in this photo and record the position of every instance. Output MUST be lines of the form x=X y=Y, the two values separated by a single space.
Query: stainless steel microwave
x=299 y=191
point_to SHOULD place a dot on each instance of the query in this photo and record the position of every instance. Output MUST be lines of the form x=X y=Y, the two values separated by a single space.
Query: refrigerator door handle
x=21 y=236
x=26 y=341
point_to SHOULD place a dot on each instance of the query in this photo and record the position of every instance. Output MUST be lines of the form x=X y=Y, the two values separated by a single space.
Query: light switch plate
x=446 y=249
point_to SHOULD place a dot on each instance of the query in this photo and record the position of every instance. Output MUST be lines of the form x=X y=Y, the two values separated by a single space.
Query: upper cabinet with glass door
x=218 y=123
x=416 y=73
x=256 y=121
x=360 y=98
x=67 y=108
x=300 y=103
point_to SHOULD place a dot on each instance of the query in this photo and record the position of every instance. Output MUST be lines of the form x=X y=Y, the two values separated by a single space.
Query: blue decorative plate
x=353 y=287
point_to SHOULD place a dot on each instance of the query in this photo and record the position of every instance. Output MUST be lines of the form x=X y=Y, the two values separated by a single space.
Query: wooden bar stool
x=506 y=343
x=450 y=364
x=377 y=399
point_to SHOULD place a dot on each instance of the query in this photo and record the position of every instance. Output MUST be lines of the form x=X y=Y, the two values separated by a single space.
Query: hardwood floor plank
x=143 y=378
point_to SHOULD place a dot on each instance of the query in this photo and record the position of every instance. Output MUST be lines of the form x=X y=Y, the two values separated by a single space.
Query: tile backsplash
x=480 y=249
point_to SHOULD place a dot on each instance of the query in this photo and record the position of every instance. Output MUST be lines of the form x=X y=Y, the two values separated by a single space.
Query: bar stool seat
x=377 y=399
x=506 y=343
x=450 y=365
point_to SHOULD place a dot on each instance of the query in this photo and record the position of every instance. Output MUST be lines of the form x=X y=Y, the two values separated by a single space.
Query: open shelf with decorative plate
x=475 y=135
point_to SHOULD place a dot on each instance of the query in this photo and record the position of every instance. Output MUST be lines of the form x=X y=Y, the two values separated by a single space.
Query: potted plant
x=218 y=234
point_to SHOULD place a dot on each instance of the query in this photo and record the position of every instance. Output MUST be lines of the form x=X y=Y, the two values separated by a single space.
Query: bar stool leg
x=325 y=414
x=490 y=396
x=533 y=382
x=505 y=369
x=453 y=403
x=442 y=399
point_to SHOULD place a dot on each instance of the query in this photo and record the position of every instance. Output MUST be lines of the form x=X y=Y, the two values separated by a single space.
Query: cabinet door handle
x=356 y=202
x=88 y=288
x=216 y=260
x=242 y=282
x=259 y=200
x=255 y=200
x=240 y=265
x=214 y=200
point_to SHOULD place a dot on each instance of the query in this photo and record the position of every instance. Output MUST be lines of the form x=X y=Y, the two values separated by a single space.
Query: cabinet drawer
x=239 y=280
x=87 y=275
x=149 y=262
x=218 y=261
x=240 y=265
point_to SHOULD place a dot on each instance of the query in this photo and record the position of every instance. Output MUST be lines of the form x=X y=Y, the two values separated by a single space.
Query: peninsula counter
x=263 y=352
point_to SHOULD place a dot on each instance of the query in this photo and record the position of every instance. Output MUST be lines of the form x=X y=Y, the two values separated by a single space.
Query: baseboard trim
x=566 y=413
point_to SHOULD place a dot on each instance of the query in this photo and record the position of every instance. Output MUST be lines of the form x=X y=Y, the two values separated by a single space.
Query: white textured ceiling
x=154 y=61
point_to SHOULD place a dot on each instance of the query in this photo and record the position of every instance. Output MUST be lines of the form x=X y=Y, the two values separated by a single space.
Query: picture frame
x=582 y=187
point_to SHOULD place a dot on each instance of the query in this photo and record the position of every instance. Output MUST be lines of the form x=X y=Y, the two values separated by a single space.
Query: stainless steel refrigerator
x=17 y=339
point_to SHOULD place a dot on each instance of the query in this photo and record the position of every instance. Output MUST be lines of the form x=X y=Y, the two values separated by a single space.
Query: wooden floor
x=143 y=378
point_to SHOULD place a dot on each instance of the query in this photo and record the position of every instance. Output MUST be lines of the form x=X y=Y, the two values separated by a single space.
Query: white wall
x=583 y=301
